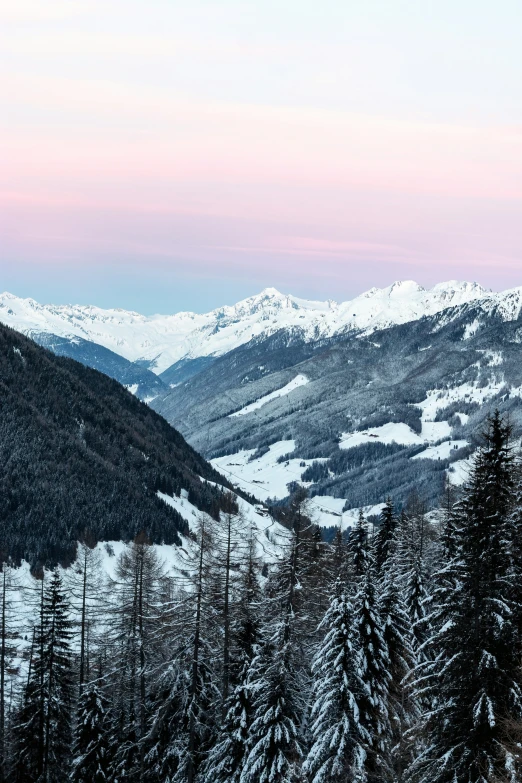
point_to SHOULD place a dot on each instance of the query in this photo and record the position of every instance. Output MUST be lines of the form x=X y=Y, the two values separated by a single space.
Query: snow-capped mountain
x=159 y=341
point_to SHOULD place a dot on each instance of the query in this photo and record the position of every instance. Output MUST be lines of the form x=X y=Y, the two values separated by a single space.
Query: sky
x=167 y=155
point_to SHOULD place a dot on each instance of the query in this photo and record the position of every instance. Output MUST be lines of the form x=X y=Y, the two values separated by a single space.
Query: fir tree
x=384 y=536
x=226 y=758
x=91 y=746
x=339 y=739
x=375 y=674
x=475 y=676
x=274 y=745
x=358 y=547
x=45 y=723
x=398 y=636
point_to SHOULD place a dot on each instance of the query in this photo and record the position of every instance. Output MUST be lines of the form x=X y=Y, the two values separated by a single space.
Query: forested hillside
x=81 y=456
x=393 y=657
x=379 y=415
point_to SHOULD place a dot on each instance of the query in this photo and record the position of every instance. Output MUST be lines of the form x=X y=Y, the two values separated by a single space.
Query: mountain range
x=382 y=395
x=165 y=345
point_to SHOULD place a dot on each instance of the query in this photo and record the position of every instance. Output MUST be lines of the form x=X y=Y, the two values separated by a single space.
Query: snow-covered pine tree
x=398 y=636
x=44 y=730
x=91 y=761
x=165 y=745
x=384 y=535
x=339 y=740
x=274 y=743
x=475 y=686
x=375 y=674
x=409 y=570
x=358 y=548
x=276 y=679
x=58 y=681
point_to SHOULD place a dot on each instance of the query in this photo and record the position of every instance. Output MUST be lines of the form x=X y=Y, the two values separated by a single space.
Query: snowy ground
x=437 y=399
x=442 y=451
x=432 y=431
x=264 y=477
x=299 y=380
x=327 y=511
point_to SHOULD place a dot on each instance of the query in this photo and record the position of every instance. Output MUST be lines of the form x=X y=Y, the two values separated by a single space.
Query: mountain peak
x=158 y=342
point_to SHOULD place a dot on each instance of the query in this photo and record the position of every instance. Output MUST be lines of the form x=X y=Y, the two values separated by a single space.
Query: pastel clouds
x=201 y=138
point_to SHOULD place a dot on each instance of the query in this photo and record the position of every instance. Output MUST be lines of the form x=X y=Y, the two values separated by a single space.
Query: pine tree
x=475 y=675
x=45 y=721
x=276 y=678
x=398 y=636
x=358 y=547
x=274 y=746
x=339 y=739
x=164 y=746
x=375 y=674
x=92 y=743
x=384 y=536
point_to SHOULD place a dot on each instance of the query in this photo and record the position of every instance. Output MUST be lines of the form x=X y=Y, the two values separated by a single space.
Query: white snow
x=471 y=329
x=433 y=431
x=458 y=472
x=299 y=380
x=442 y=451
x=163 y=340
x=263 y=477
x=327 y=511
x=388 y=433
x=437 y=399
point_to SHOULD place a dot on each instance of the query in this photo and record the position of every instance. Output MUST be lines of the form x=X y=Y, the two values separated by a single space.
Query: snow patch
x=264 y=476
x=442 y=451
x=387 y=434
x=299 y=380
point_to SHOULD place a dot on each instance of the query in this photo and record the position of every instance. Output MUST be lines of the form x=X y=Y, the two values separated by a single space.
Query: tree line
x=390 y=657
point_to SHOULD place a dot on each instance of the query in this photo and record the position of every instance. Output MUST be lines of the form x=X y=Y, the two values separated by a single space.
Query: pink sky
x=160 y=143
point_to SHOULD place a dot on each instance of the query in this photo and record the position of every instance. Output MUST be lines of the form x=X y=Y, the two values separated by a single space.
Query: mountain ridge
x=158 y=342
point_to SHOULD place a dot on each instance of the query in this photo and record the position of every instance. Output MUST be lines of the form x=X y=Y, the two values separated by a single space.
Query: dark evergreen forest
x=80 y=455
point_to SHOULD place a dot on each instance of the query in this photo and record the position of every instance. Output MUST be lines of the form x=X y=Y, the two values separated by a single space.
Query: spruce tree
x=91 y=760
x=45 y=721
x=398 y=636
x=384 y=536
x=358 y=547
x=375 y=674
x=475 y=675
x=276 y=678
x=339 y=740
x=227 y=756
x=274 y=743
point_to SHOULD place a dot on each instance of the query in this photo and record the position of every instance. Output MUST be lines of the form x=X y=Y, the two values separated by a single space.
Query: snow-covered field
x=442 y=451
x=400 y=433
x=264 y=476
x=299 y=380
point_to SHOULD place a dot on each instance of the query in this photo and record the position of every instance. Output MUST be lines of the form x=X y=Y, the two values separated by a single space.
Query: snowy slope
x=299 y=380
x=161 y=340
